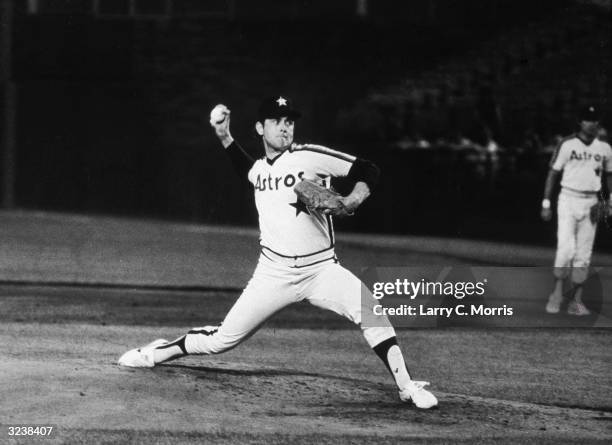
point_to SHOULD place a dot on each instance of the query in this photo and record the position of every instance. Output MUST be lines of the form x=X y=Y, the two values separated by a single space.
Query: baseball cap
x=588 y=113
x=277 y=106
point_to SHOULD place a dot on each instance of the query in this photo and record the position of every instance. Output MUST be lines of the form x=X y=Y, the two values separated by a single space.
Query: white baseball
x=218 y=114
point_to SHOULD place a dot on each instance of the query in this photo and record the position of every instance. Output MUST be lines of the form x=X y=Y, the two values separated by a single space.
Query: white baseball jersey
x=582 y=164
x=287 y=227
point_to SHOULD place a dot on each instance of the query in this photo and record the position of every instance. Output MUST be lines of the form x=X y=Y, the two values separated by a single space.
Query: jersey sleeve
x=607 y=158
x=241 y=160
x=560 y=157
x=326 y=160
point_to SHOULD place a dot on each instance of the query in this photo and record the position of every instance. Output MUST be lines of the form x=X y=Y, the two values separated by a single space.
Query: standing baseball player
x=297 y=260
x=580 y=160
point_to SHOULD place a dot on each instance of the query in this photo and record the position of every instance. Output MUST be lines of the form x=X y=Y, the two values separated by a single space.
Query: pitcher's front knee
x=209 y=340
x=375 y=335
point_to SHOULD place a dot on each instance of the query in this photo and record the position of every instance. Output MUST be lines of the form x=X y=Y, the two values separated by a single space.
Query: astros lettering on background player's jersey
x=582 y=164
x=287 y=227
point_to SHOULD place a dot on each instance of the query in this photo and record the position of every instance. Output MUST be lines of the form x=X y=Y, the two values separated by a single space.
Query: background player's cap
x=277 y=106
x=588 y=113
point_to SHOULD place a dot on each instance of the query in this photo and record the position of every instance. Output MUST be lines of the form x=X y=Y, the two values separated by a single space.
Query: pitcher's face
x=277 y=132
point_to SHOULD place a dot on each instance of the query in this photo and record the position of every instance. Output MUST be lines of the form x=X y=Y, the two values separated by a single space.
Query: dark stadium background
x=110 y=102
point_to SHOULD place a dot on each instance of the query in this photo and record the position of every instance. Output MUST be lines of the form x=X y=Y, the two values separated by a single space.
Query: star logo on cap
x=281 y=101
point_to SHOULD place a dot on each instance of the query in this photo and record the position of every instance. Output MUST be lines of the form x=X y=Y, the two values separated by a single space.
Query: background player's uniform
x=583 y=166
x=297 y=260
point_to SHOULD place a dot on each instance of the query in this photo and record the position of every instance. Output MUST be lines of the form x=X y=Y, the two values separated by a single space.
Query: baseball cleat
x=141 y=357
x=577 y=307
x=554 y=303
x=416 y=392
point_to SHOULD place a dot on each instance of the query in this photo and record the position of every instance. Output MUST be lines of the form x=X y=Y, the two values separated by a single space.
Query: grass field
x=77 y=292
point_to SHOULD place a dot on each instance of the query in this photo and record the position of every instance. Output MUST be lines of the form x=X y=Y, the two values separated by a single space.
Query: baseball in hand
x=218 y=114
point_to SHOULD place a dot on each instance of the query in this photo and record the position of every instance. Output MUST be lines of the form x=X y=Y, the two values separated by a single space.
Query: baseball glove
x=599 y=212
x=316 y=197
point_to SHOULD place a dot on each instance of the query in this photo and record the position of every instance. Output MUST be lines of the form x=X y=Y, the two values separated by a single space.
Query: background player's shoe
x=416 y=392
x=577 y=307
x=554 y=303
x=141 y=357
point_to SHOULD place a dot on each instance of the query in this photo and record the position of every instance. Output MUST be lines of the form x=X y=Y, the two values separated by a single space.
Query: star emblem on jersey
x=281 y=101
x=299 y=207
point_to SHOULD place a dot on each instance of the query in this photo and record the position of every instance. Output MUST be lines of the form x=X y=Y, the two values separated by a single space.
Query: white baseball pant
x=274 y=286
x=575 y=235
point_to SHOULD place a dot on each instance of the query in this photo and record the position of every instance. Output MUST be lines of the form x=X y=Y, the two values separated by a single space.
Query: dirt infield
x=305 y=377
x=303 y=385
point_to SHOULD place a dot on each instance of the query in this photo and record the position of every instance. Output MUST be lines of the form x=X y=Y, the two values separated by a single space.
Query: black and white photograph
x=305 y=222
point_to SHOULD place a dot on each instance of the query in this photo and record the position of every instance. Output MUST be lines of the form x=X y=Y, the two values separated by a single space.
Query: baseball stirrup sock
x=170 y=351
x=391 y=355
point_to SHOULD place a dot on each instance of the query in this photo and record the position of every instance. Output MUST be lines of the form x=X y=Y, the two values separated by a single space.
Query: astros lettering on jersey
x=582 y=164
x=288 y=227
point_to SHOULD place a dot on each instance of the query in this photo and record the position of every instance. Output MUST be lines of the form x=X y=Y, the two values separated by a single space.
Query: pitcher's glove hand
x=599 y=212
x=316 y=197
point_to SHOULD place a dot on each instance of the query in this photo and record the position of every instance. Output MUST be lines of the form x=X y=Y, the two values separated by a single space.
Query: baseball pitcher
x=297 y=262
